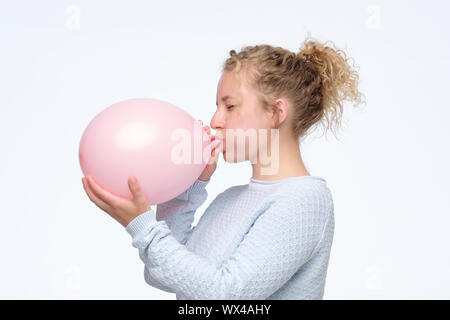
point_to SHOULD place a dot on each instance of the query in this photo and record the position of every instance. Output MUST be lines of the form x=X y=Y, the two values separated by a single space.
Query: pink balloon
x=159 y=143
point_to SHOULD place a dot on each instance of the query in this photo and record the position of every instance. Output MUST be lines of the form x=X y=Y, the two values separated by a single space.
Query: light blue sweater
x=261 y=240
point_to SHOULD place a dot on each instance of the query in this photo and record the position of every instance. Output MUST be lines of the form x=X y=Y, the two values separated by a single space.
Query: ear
x=280 y=113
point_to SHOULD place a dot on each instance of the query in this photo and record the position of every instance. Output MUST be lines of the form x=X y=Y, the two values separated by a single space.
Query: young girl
x=270 y=238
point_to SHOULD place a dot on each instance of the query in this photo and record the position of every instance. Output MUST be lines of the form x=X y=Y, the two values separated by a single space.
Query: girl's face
x=239 y=108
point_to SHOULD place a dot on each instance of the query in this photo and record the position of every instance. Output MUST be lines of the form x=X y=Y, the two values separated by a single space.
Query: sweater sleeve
x=284 y=235
x=178 y=213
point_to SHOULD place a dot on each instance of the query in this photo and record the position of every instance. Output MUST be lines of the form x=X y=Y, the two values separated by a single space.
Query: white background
x=62 y=62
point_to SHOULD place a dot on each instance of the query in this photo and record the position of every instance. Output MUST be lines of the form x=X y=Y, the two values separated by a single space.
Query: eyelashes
x=228 y=107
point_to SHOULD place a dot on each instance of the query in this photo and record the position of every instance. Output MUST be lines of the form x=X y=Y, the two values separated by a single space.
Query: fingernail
x=133 y=180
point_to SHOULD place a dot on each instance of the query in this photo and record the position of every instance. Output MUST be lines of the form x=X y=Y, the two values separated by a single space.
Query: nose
x=220 y=122
x=217 y=123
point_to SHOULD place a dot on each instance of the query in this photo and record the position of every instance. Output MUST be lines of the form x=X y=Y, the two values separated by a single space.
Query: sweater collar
x=269 y=182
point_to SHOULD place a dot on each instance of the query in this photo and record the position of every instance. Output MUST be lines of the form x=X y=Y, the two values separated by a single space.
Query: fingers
x=101 y=193
x=136 y=191
x=98 y=202
x=216 y=146
x=206 y=128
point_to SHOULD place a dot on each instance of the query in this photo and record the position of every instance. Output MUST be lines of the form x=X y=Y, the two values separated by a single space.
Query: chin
x=228 y=159
x=224 y=154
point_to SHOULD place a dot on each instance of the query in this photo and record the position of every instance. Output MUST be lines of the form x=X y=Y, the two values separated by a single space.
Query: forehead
x=230 y=86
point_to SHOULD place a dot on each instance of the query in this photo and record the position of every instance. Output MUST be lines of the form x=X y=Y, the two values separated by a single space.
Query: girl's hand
x=121 y=209
x=211 y=166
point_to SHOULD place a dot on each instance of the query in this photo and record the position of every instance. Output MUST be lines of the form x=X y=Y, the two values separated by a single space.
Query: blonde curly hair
x=316 y=80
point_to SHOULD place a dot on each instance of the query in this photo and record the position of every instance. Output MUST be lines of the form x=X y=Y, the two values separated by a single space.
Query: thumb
x=136 y=191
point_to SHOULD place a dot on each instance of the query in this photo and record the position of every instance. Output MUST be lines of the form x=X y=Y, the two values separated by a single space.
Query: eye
x=229 y=107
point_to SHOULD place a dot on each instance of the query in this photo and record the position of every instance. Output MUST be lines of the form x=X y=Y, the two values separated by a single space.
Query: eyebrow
x=225 y=98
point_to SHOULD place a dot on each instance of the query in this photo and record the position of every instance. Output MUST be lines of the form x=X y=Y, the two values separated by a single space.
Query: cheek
x=250 y=122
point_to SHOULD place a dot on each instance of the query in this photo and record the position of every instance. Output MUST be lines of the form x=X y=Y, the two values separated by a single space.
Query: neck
x=285 y=162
